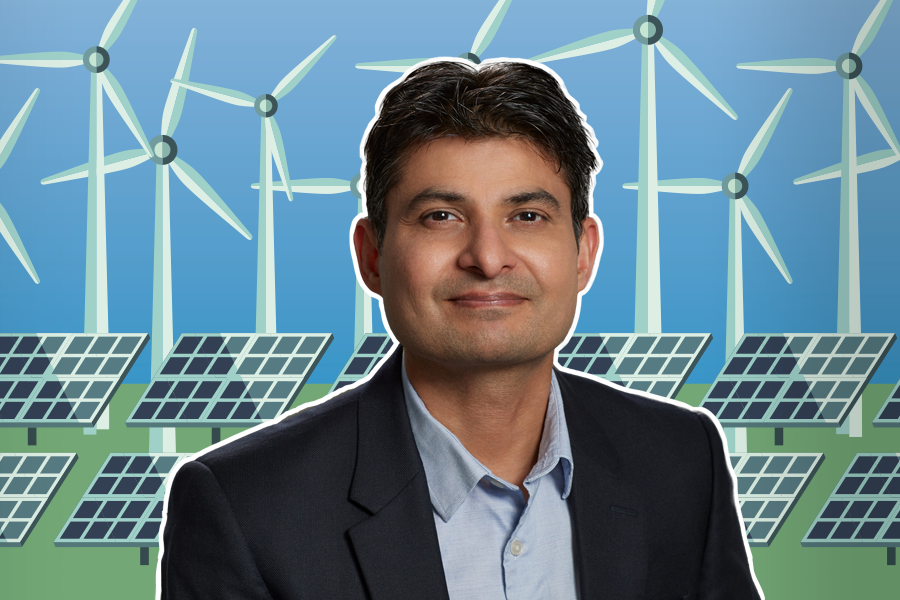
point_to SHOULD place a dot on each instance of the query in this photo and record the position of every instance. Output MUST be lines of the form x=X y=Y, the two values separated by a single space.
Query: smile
x=499 y=300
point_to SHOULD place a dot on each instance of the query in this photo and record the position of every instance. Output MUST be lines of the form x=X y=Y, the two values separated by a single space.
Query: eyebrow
x=427 y=196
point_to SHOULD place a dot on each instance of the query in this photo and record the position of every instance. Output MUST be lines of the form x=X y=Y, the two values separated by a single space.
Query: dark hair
x=500 y=99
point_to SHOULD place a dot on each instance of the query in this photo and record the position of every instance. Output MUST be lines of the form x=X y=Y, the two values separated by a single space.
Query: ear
x=366 y=248
x=589 y=248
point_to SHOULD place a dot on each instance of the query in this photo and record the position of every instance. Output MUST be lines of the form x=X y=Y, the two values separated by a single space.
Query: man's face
x=479 y=263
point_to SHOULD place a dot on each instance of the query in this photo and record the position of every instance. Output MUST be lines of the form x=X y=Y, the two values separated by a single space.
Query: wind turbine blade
x=300 y=71
x=761 y=140
x=876 y=160
x=683 y=65
x=53 y=60
x=759 y=229
x=194 y=182
x=175 y=99
x=116 y=24
x=876 y=113
x=15 y=128
x=123 y=106
x=112 y=163
x=9 y=233
x=323 y=185
x=805 y=66
x=276 y=143
x=591 y=45
x=694 y=185
x=394 y=66
x=218 y=93
x=489 y=27
x=821 y=175
x=870 y=27
x=654 y=6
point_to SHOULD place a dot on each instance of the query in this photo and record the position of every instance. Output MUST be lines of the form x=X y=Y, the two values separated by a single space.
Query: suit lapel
x=608 y=517
x=397 y=547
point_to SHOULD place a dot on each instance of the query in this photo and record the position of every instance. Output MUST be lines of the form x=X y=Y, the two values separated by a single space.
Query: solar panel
x=27 y=484
x=889 y=415
x=864 y=508
x=62 y=379
x=123 y=505
x=658 y=363
x=228 y=379
x=769 y=486
x=368 y=353
x=795 y=379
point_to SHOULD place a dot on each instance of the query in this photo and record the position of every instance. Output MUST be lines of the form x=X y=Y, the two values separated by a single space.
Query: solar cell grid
x=122 y=506
x=889 y=415
x=656 y=363
x=769 y=486
x=228 y=380
x=864 y=508
x=27 y=484
x=795 y=380
x=62 y=380
x=368 y=354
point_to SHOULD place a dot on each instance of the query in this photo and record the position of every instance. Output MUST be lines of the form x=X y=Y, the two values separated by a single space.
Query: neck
x=496 y=412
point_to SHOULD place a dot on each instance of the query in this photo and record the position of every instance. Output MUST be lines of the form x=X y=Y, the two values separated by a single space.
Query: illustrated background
x=251 y=47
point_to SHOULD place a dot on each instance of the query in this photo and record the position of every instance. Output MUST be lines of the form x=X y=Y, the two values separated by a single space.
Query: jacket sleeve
x=204 y=551
x=727 y=568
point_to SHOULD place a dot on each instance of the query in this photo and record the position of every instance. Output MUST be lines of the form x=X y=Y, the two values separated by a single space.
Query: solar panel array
x=62 y=380
x=27 y=484
x=368 y=353
x=795 y=380
x=864 y=508
x=658 y=363
x=123 y=505
x=889 y=415
x=769 y=486
x=228 y=379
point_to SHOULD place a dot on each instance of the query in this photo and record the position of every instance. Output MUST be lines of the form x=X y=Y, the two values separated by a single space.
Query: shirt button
x=516 y=547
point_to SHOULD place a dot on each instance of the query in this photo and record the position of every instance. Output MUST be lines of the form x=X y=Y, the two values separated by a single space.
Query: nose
x=487 y=251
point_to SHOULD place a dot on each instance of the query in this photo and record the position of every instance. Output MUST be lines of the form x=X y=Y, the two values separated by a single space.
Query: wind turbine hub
x=648 y=30
x=96 y=59
x=735 y=186
x=471 y=57
x=848 y=65
x=266 y=105
x=164 y=149
x=354 y=186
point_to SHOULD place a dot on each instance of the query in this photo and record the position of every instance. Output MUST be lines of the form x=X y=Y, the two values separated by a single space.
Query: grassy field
x=785 y=570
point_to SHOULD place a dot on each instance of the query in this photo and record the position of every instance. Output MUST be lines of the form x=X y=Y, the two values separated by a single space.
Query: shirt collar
x=452 y=472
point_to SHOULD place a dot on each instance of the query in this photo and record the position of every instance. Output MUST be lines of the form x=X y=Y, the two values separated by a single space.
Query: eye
x=440 y=215
x=529 y=216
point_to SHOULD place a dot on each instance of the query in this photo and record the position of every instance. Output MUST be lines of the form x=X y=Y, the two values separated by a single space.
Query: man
x=468 y=466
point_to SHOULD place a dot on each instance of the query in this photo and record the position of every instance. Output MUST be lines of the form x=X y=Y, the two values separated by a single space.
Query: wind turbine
x=164 y=152
x=735 y=186
x=482 y=39
x=648 y=30
x=363 y=310
x=849 y=67
x=7 y=229
x=96 y=60
x=270 y=145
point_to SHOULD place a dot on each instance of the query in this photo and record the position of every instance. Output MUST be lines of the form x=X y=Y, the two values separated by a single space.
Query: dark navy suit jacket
x=332 y=502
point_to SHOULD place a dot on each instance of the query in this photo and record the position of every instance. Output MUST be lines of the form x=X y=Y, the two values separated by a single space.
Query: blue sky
x=251 y=49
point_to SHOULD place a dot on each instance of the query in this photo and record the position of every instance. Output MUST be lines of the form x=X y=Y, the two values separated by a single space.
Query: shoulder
x=637 y=428
x=307 y=443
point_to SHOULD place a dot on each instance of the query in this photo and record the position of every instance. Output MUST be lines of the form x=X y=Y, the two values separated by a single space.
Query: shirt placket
x=519 y=550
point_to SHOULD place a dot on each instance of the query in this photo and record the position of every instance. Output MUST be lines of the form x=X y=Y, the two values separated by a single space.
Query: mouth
x=487 y=300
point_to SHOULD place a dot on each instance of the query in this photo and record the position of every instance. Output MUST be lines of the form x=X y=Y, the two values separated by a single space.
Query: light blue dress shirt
x=494 y=543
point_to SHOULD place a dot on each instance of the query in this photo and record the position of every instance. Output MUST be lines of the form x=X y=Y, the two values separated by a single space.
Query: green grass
x=786 y=570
